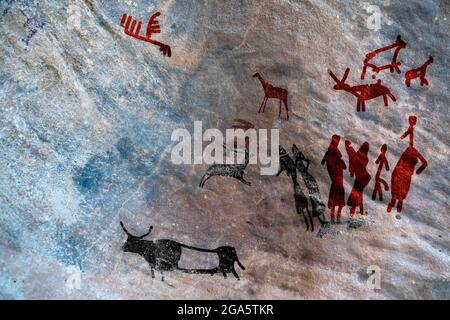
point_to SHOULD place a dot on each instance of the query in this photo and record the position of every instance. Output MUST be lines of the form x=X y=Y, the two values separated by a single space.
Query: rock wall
x=86 y=117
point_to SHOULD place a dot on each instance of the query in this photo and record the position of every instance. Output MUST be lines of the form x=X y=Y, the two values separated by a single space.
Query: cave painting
x=288 y=165
x=32 y=27
x=301 y=205
x=301 y=200
x=164 y=255
x=412 y=120
x=382 y=162
x=419 y=72
x=357 y=167
x=272 y=92
x=133 y=28
x=228 y=170
x=363 y=92
x=404 y=170
x=335 y=167
x=242 y=124
x=317 y=205
x=394 y=65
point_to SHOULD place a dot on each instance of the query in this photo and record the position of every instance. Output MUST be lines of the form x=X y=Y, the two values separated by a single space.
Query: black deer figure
x=227 y=170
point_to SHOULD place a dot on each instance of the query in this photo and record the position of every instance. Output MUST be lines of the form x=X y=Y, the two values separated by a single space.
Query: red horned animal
x=363 y=92
x=419 y=72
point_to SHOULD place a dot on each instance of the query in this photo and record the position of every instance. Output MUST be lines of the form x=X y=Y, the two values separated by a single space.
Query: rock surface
x=86 y=116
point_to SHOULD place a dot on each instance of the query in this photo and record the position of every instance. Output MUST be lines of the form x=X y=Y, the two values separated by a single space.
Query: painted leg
x=235 y=273
x=244 y=181
x=306 y=220
x=339 y=214
x=352 y=212
x=279 y=110
x=287 y=109
x=262 y=103
x=399 y=205
x=363 y=73
x=201 y=182
x=392 y=97
x=204 y=181
x=375 y=191
x=310 y=220
x=391 y=205
x=265 y=103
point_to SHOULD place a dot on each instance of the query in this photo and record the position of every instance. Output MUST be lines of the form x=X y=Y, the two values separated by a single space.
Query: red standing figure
x=335 y=167
x=404 y=170
x=402 y=176
x=381 y=161
x=410 y=132
x=358 y=167
x=419 y=72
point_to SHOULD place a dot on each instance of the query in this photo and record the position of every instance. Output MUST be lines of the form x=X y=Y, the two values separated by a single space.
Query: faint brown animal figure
x=272 y=92
x=419 y=72
x=242 y=124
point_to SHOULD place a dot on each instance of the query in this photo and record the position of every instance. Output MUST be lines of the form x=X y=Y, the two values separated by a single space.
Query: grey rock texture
x=86 y=116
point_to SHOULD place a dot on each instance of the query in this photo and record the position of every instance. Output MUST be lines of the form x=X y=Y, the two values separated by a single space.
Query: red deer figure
x=363 y=92
x=272 y=92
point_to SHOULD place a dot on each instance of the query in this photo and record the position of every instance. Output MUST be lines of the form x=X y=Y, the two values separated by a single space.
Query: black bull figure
x=164 y=254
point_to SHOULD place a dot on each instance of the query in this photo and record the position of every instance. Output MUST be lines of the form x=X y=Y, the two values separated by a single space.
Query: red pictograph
x=381 y=161
x=363 y=92
x=394 y=65
x=402 y=176
x=357 y=167
x=273 y=92
x=133 y=28
x=335 y=167
x=404 y=169
x=412 y=120
x=419 y=72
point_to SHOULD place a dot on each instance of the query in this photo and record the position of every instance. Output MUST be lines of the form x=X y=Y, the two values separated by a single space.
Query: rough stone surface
x=86 y=116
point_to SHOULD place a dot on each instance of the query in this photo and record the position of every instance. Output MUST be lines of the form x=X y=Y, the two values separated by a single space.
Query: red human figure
x=381 y=161
x=335 y=167
x=419 y=72
x=394 y=65
x=358 y=167
x=402 y=176
x=363 y=92
x=272 y=92
x=412 y=122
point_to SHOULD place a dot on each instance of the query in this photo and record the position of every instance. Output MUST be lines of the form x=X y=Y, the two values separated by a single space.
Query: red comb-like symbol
x=133 y=28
